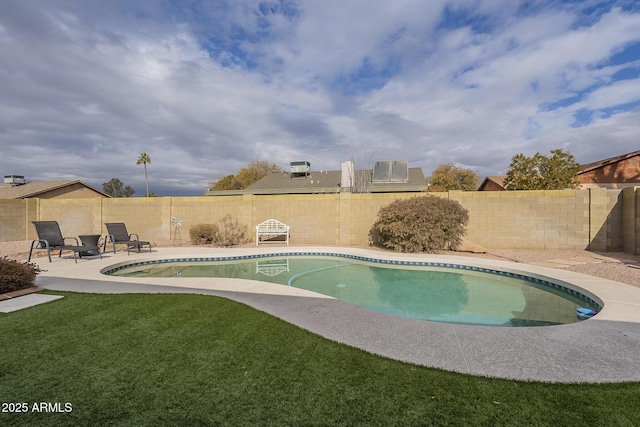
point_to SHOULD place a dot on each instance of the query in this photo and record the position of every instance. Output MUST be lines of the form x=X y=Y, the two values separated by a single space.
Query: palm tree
x=143 y=160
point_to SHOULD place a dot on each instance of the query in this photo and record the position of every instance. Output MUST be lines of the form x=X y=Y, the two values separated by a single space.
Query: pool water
x=452 y=295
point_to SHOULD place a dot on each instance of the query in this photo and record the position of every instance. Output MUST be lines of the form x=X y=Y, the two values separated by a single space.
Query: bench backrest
x=272 y=224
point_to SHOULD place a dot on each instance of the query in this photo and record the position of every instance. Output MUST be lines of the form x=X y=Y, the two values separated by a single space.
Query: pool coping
x=602 y=349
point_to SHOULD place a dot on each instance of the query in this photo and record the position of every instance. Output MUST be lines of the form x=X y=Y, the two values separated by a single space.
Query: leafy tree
x=116 y=188
x=246 y=176
x=226 y=183
x=451 y=177
x=143 y=159
x=559 y=171
x=523 y=173
x=555 y=172
x=255 y=171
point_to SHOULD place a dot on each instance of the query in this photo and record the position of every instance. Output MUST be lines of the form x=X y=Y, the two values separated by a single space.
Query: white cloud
x=616 y=94
x=90 y=87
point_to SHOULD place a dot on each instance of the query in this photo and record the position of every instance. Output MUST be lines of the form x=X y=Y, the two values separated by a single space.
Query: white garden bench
x=271 y=228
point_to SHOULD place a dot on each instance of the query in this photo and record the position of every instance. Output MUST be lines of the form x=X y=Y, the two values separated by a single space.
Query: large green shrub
x=227 y=232
x=15 y=275
x=420 y=224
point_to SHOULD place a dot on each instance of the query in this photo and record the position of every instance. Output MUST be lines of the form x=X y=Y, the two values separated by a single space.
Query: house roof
x=328 y=181
x=600 y=163
x=496 y=179
x=322 y=182
x=33 y=189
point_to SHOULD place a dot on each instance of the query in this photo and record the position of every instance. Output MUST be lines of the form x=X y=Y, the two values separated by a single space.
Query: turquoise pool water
x=440 y=292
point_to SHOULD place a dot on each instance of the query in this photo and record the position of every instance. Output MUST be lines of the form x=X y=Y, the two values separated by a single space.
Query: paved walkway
x=603 y=349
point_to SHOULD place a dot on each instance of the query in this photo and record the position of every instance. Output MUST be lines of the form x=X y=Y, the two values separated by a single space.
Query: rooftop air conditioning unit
x=14 y=179
x=299 y=168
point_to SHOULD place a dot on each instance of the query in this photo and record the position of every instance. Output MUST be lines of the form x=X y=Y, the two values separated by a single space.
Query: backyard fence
x=595 y=219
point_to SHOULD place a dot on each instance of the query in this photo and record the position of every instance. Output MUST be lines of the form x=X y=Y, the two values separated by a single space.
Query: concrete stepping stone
x=14 y=304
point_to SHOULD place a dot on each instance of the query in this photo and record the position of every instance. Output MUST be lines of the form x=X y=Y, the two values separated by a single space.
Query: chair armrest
x=134 y=234
x=76 y=240
x=40 y=241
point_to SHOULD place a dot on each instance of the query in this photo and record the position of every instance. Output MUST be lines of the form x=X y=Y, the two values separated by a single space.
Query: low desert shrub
x=420 y=224
x=231 y=232
x=203 y=234
x=226 y=232
x=16 y=275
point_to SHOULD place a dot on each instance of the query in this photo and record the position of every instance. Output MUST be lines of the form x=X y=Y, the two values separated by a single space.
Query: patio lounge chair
x=118 y=235
x=50 y=237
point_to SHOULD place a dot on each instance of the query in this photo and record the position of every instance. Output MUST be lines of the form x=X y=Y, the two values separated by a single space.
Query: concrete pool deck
x=605 y=348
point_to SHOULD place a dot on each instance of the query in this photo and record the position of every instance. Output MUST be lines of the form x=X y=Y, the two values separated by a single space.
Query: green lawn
x=193 y=360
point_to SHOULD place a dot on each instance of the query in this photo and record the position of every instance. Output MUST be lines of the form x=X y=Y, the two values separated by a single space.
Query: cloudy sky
x=206 y=86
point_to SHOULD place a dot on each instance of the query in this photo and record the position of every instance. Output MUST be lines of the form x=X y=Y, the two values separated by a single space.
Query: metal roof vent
x=14 y=179
x=391 y=171
x=299 y=169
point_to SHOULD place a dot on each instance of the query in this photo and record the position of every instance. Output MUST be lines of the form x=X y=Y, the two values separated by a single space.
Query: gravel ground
x=618 y=266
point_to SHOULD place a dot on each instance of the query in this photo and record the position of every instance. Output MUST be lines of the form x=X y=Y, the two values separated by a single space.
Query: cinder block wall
x=527 y=219
x=358 y=212
x=149 y=217
x=201 y=210
x=13 y=220
x=595 y=219
x=631 y=220
x=75 y=216
x=606 y=213
x=636 y=229
x=313 y=218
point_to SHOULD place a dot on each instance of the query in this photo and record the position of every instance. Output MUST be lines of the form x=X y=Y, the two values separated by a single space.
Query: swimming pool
x=441 y=292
